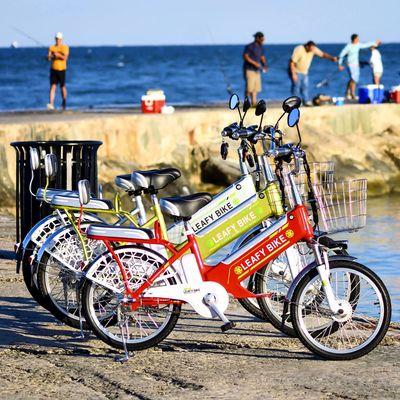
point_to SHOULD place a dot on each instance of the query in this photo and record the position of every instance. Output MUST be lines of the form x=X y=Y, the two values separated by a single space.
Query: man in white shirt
x=351 y=52
x=376 y=64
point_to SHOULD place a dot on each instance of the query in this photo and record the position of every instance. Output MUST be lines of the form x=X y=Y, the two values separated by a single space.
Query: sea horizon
x=117 y=76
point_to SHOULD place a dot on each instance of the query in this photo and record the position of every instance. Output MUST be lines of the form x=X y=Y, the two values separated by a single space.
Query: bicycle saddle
x=185 y=206
x=125 y=182
x=50 y=193
x=155 y=179
x=69 y=201
x=118 y=232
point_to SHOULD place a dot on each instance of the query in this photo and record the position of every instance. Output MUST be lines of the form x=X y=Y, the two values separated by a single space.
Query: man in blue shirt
x=254 y=63
x=351 y=51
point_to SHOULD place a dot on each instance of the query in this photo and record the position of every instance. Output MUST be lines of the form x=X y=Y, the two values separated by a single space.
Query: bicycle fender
x=310 y=267
x=35 y=228
x=53 y=238
x=22 y=247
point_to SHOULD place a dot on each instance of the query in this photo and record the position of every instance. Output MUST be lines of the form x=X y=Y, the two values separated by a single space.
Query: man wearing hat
x=254 y=63
x=58 y=55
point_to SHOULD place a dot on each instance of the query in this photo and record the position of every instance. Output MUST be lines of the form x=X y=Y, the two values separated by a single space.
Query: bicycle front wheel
x=361 y=322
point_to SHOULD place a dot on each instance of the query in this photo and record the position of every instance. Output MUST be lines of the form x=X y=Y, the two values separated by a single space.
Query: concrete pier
x=364 y=140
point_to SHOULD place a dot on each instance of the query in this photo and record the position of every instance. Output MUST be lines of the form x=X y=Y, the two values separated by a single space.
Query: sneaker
x=308 y=104
x=50 y=106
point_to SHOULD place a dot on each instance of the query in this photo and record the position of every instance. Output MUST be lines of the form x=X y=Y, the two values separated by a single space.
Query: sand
x=40 y=359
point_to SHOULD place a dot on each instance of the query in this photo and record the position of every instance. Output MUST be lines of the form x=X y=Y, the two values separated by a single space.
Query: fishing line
x=221 y=56
x=39 y=43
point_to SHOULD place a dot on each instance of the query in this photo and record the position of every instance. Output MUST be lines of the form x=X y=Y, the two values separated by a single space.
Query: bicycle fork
x=322 y=262
x=324 y=271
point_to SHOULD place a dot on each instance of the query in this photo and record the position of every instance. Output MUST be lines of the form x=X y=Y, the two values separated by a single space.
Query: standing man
x=299 y=66
x=351 y=51
x=58 y=55
x=254 y=63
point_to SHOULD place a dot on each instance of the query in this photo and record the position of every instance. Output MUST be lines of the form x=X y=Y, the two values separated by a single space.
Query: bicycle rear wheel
x=60 y=272
x=28 y=277
x=361 y=322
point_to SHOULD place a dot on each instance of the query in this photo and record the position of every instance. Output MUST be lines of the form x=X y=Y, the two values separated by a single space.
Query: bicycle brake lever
x=224 y=150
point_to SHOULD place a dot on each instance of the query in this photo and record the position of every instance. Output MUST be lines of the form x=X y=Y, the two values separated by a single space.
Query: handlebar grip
x=282 y=151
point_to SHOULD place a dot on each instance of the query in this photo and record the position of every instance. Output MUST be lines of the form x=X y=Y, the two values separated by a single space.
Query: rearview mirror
x=34 y=158
x=50 y=165
x=293 y=117
x=246 y=104
x=84 y=191
x=261 y=108
x=291 y=103
x=234 y=101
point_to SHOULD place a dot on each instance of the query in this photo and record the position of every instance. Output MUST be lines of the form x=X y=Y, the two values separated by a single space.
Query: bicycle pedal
x=227 y=326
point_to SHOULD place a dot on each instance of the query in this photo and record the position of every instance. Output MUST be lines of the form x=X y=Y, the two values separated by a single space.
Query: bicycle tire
x=309 y=340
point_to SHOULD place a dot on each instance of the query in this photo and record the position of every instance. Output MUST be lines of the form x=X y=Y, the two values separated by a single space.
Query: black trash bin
x=76 y=160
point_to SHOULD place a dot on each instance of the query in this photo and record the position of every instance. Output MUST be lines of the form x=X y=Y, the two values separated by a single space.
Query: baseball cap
x=258 y=34
x=59 y=35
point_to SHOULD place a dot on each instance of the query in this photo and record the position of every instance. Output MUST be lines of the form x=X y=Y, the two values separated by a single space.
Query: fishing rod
x=39 y=43
x=220 y=56
x=326 y=80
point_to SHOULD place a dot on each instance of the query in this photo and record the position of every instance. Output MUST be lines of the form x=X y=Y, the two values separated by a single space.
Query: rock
x=218 y=172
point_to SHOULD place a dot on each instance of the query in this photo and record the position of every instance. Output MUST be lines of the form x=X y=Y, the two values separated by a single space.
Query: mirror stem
x=261 y=121
x=240 y=117
x=299 y=135
x=277 y=122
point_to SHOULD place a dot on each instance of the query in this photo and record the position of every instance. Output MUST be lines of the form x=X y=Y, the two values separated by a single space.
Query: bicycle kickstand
x=81 y=334
x=125 y=357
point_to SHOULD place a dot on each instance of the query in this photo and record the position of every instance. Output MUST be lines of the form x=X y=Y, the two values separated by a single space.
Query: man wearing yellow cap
x=58 y=55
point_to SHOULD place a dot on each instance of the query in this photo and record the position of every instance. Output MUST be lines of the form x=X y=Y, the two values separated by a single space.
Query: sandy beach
x=41 y=359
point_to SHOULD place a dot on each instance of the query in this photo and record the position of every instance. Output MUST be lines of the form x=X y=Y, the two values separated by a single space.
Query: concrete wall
x=363 y=140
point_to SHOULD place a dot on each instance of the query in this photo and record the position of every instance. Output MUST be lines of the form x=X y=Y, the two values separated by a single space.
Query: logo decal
x=238 y=270
x=289 y=233
x=188 y=290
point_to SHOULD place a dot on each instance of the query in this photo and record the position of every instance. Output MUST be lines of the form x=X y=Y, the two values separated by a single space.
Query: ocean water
x=118 y=76
x=378 y=245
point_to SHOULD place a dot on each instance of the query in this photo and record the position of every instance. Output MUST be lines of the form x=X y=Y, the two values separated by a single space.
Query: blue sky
x=153 y=22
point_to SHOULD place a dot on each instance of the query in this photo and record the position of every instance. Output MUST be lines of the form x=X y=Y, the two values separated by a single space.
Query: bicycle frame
x=290 y=229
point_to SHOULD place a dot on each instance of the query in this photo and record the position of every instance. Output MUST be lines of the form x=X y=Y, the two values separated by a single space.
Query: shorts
x=354 y=72
x=253 y=81
x=57 y=77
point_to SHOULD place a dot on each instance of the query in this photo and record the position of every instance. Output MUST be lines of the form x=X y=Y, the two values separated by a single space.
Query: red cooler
x=153 y=101
x=395 y=94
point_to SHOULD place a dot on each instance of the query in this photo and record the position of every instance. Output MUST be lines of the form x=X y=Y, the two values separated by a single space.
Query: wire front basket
x=321 y=173
x=342 y=205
